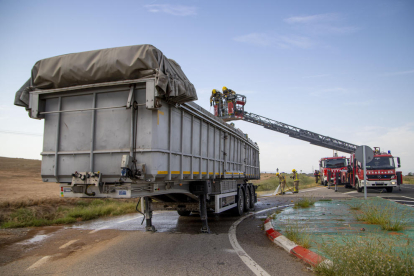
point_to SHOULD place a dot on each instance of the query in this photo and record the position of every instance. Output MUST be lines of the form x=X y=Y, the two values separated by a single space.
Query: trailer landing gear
x=203 y=213
x=148 y=215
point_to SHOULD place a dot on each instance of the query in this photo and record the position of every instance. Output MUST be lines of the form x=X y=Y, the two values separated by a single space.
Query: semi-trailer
x=120 y=123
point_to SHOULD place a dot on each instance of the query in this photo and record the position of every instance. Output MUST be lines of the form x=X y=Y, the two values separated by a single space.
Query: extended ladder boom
x=298 y=133
x=230 y=107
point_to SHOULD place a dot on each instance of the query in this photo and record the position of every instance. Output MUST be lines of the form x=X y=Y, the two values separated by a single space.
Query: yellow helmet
x=293 y=170
x=224 y=88
x=277 y=174
x=214 y=91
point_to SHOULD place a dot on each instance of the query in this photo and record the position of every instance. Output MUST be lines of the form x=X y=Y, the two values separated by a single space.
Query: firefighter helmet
x=277 y=174
x=214 y=92
x=224 y=88
x=293 y=170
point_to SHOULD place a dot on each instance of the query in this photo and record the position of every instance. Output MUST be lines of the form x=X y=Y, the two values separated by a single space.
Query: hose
x=86 y=191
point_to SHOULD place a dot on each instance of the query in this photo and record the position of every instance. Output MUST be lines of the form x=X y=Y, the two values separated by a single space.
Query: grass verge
x=305 y=202
x=368 y=255
x=387 y=215
x=297 y=234
x=63 y=211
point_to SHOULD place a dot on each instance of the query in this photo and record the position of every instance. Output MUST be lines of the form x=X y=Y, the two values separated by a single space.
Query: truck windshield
x=335 y=163
x=379 y=163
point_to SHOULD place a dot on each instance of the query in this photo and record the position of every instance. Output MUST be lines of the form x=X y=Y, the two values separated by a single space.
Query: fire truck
x=381 y=172
x=330 y=169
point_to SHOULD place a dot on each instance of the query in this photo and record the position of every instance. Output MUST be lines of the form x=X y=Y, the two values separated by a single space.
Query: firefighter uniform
x=295 y=177
x=215 y=99
x=316 y=174
x=282 y=181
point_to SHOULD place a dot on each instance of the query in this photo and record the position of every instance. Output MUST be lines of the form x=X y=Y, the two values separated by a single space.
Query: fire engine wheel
x=240 y=203
x=358 y=186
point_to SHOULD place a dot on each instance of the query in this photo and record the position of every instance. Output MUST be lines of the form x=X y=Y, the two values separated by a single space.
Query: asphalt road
x=120 y=246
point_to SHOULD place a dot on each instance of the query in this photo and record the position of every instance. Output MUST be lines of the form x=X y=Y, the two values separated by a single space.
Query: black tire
x=247 y=199
x=389 y=189
x=240 y=203
x=184 y=213
x=358 y=186
x=252 y=198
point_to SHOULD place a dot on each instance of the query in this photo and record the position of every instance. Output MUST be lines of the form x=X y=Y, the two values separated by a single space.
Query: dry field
x=20 y=180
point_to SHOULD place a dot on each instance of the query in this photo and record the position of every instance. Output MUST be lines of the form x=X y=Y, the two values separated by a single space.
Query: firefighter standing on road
x=295 y=177
x=316 y=174
x=282 y=182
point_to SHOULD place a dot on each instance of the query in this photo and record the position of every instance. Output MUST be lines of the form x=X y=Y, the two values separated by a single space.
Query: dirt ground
x=20 y=179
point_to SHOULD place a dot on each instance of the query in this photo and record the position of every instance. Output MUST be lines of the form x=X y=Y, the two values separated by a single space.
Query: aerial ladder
x=229 y=106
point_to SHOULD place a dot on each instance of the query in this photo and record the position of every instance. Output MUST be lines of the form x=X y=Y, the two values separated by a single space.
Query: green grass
x=368 y=255
x=305 y=202
x=271 y=183
x=408 y=179
x=296 y=233
x=51 y=213
x=386 y=215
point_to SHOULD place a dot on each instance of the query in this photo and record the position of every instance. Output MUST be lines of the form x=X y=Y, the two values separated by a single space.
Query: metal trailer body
x=119 y=140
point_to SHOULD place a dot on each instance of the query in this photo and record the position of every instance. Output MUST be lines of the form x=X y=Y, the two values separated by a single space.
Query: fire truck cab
x=331 y=167
x=381 y=172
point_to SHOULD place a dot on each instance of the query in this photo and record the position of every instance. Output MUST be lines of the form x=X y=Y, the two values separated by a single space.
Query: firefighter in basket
x=295 y=177
x=215 y=99
x=316 y=174
x=282 y=182
x=229 y=96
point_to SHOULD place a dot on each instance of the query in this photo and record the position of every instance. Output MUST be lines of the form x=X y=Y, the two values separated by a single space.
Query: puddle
x=35 y=239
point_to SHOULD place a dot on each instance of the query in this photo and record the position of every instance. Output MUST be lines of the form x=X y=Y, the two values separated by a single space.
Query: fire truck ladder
x=231 y=107
x=301 y=134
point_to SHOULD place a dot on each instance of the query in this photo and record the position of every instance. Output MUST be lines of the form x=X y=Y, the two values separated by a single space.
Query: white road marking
x=254 y=267
x=351 y=192
x=304 y=191
x=39 y=263
x=122 y=221
x=396 y=200
x=407 y=197
x=98 y=229
x=67 y=244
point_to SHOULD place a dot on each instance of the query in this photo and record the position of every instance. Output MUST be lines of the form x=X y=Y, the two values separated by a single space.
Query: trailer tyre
x=247 y=199
x=252 y=199
x=184 y=213
x=240 y=203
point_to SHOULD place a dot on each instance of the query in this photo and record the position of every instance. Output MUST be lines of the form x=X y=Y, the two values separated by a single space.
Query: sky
x=344 y=69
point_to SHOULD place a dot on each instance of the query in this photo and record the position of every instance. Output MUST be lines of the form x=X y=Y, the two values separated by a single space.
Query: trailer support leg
x=203 y=213
x=148 y=215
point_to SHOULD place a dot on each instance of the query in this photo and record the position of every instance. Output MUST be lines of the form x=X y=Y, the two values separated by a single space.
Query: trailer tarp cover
x=109 y=65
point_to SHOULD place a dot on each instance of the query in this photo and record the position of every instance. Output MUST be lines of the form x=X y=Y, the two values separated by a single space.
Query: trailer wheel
x=184 y=213
x=240 y=203
x=247 y=199
x=252 y=199
x=389 y=189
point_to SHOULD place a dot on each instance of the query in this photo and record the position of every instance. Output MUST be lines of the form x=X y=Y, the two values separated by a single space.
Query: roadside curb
x=302 y=253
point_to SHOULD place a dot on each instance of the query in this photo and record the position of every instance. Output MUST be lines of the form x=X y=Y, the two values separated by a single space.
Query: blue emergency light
x=389 y=152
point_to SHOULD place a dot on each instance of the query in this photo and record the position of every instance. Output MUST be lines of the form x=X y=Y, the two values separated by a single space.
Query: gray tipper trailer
x=119 y=123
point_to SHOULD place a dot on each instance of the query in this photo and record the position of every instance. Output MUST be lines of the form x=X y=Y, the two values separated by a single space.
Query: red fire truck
x=331 y=166
x=380 y=172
